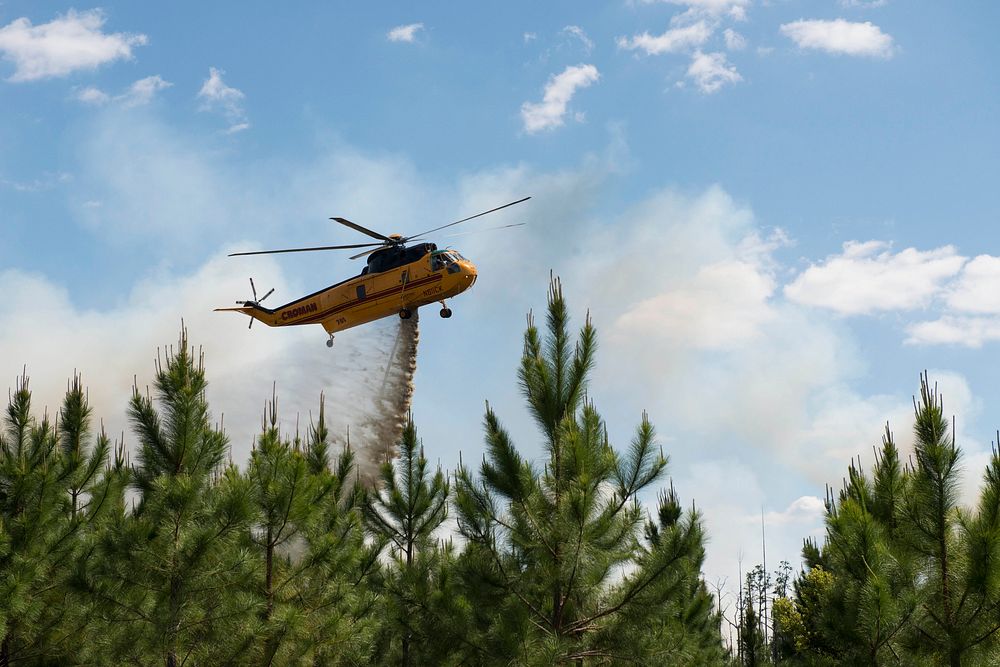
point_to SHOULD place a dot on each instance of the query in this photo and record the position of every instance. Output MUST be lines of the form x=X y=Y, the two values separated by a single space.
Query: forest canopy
x=168 y=552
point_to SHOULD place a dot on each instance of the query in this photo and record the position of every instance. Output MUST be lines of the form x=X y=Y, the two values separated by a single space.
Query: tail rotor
x=255 y=301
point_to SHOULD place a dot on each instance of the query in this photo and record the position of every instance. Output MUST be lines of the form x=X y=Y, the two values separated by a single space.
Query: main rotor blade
x=451 y=224
x=364 y=230
x=325 y=247
x=362 y=254
x=488 y=229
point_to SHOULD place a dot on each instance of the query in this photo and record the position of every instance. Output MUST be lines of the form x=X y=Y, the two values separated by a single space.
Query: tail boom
x=255 y=312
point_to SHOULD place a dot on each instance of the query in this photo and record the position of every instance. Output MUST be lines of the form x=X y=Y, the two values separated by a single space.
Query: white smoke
x=367 y=379
x=366 y=376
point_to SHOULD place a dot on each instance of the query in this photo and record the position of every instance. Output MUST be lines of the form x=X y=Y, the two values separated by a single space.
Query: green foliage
x=904 y=571
x=546 y=548
x=872 y=598
x=404 y=513
x=50 y=496
x=957 y=614
x=165 y=579
x=183 y=558
x=790 y=628
x=307 y=551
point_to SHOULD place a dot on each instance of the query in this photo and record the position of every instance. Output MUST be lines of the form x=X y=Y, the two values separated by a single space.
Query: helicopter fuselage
x=396 y=281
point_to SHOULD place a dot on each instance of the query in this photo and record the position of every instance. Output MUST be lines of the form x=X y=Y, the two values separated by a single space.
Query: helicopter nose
x=469 y=271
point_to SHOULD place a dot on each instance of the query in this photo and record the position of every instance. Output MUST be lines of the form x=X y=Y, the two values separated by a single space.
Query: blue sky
x=778 y=212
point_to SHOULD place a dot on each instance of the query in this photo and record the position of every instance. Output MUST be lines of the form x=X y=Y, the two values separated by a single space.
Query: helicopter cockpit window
x=450 y=260
x=437 y=262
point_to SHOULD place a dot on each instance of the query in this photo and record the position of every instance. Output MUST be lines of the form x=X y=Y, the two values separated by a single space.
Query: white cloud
x=138 y=94
x=977 y=290
x=217 y=96
x=215 y=92
x=949 y=329
x=404 y=33
x=549 y=113
x=971 y=308
x=144 y=90
x=579 y=33
x=238 y=127
x=93 y=95
x=735 y=9
x=868 y=277
x=807 y=510
x=840 y=36
x=864 y=4
x=673 y=40
x=734 y=40
x=47 y=181
x=530 y=37
x=711 y=71
x=64 y=45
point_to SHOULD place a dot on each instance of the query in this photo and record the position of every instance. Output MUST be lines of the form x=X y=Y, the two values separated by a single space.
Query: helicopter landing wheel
x=446 y=313
x=405 y=314
x=329 y=341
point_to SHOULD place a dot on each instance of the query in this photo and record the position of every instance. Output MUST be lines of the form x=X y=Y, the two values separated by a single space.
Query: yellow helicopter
x=397 y=280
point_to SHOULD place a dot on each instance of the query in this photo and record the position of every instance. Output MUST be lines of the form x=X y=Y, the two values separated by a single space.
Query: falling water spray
x=382 y=429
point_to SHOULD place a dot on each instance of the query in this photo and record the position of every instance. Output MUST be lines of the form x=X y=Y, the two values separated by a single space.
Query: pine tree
x=52 y=491
x=860 y=613
x=545 y=547
x=308 y=549
x=283 y=494
x=32 y=527
x=404 y=512
x=82 y=465
x=905 y=574
x=958 y=582
x=752 y=649
x=166 y=577
x=873 y=597
x=674 y=622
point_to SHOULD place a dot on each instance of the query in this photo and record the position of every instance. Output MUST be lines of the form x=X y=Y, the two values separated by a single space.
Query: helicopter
x=400 y=276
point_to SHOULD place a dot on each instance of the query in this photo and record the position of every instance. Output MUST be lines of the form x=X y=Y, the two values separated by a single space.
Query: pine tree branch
x=630 y=595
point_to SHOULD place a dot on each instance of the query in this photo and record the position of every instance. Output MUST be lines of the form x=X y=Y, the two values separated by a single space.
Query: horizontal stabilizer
x=247 y=310
x=254 y=311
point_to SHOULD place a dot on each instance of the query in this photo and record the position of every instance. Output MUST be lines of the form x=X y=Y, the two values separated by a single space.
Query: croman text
x=292 y=313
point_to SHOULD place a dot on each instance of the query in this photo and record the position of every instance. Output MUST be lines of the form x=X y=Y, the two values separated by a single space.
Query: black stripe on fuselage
x=318 y=317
